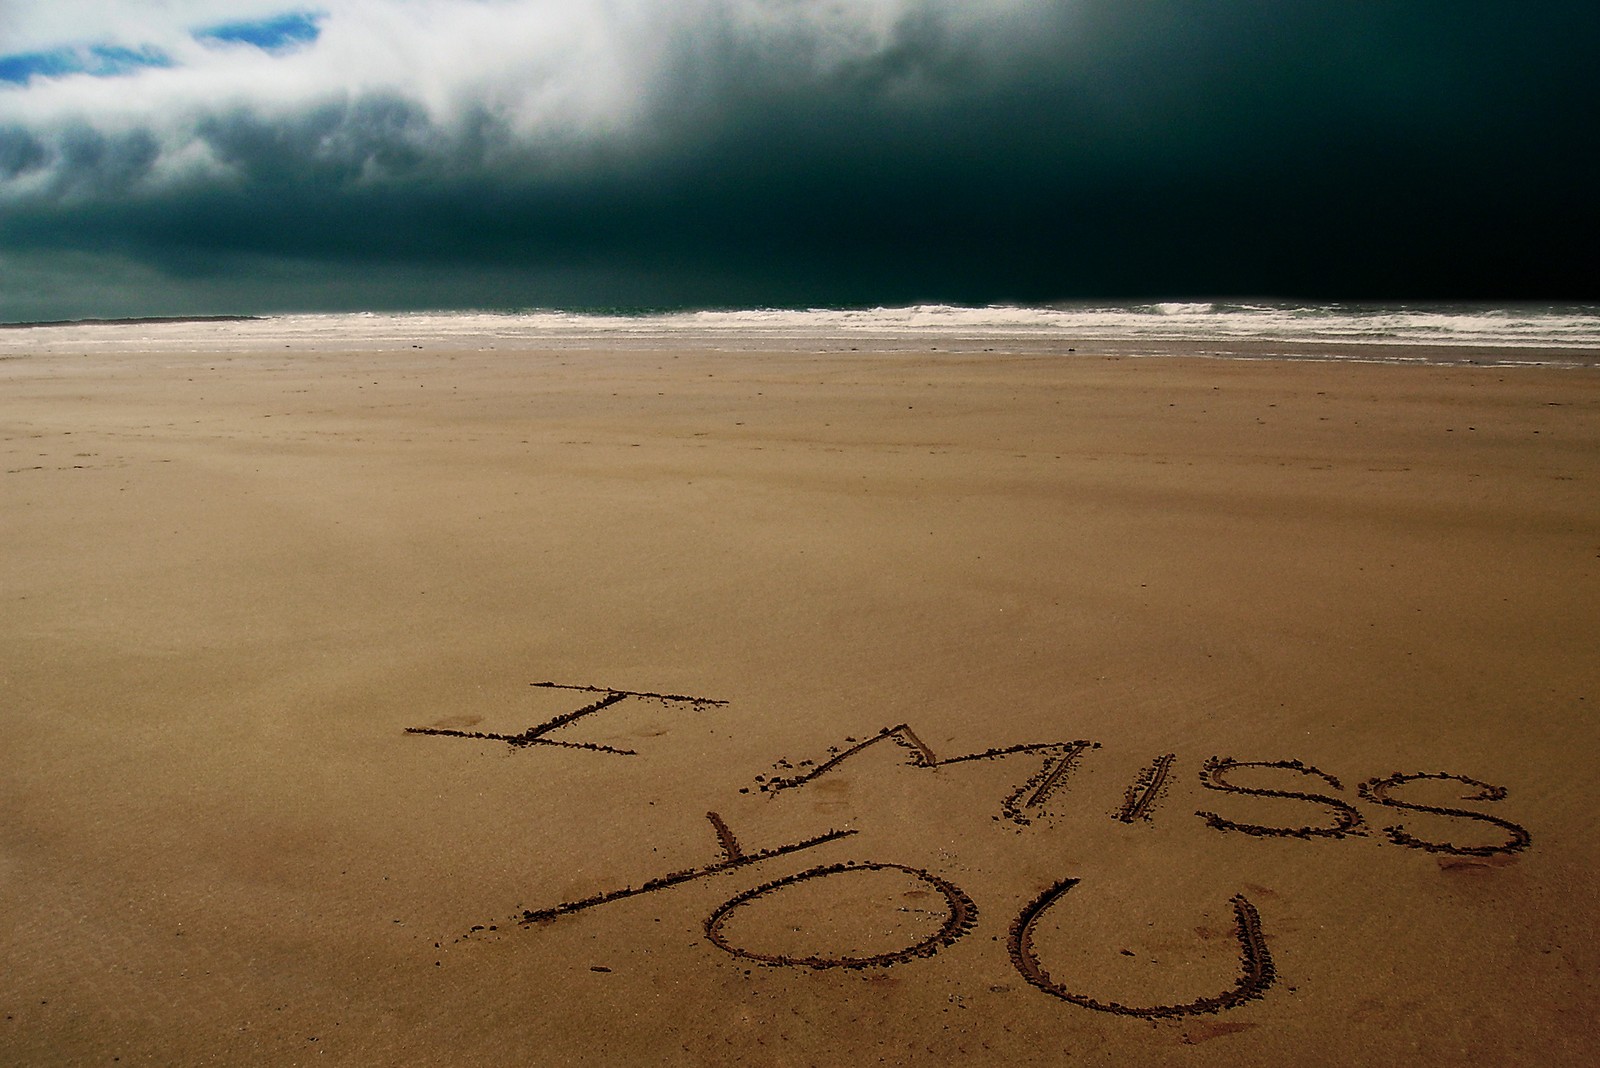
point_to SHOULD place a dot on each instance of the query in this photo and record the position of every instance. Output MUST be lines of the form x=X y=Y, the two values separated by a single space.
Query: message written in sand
x=955 y=914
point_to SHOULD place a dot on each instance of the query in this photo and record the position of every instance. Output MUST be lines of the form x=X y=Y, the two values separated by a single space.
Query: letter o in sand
x=960 y=915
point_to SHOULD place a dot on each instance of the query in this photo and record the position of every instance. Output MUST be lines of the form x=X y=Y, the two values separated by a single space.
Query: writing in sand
x=1381 y=809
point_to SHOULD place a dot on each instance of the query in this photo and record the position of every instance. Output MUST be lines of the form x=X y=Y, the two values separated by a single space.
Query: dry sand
x=233 y=585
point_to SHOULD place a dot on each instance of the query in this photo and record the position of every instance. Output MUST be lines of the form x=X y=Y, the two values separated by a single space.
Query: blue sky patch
x=280 y=33
x=101 y=61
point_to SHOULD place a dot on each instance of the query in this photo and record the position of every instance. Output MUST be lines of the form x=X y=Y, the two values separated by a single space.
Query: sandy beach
x=657 y=704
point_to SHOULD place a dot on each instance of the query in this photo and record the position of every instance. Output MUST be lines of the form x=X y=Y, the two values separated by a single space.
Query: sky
x=180 y=157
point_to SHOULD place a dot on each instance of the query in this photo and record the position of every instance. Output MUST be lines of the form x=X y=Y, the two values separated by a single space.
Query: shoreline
x=136 y=320
x=145 y=320
x=1068 y=349
x=1444 y=335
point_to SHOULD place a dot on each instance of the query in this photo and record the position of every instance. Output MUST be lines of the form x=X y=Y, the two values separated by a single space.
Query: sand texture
x=689 y=706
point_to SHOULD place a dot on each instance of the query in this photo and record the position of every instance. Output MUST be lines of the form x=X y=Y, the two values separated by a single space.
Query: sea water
x=1332 y=331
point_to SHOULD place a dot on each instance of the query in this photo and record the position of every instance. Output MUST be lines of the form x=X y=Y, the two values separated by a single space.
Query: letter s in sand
x=1212 y=777
x=1377 y=790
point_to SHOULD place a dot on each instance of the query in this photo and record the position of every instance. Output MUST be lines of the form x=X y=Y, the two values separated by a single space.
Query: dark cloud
x=96 y=166
x=1100 y=149
x=329 y=147
x=20 y=152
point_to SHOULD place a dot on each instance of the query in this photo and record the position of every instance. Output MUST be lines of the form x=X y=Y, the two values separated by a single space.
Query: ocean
x=1513 y=334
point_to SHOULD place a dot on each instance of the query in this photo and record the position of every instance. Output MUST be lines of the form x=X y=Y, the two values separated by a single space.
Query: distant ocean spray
x=1345 y=328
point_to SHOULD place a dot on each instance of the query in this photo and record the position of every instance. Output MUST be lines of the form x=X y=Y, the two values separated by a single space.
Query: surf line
x=733 y=857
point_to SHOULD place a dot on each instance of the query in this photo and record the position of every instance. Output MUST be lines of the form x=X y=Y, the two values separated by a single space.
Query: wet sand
x=697 y=706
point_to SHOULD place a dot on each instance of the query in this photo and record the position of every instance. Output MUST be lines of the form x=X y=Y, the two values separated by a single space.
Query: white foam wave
x=1503 y=327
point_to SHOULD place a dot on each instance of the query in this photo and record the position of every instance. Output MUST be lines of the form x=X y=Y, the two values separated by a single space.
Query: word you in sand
x=1326 y=816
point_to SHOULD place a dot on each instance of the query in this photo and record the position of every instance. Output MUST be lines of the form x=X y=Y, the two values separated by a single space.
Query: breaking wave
x=1510 y=327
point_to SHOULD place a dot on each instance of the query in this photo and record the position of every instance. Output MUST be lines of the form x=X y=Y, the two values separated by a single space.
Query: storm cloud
x=429 y=153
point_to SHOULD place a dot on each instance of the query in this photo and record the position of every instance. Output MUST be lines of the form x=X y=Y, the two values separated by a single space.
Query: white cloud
x=542 y=72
